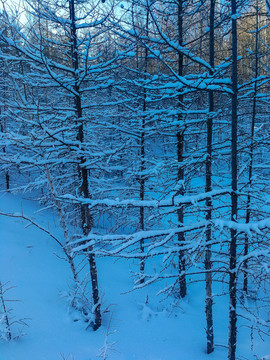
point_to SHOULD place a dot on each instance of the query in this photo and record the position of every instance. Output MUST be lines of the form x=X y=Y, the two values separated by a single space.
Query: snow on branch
x=172 y=201
x=121 y=242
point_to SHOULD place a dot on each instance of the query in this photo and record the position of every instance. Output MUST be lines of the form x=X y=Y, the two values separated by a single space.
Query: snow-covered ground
x=138 y=325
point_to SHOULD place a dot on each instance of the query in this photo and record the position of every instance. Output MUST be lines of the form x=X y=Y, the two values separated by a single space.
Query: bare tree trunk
x=3 y=126
x=6 y=319
x=180 y=157
x=233 y=242
x=208 y=187
x=142 y=150
x=251 y=148
x=63 y=225
x=86 y=216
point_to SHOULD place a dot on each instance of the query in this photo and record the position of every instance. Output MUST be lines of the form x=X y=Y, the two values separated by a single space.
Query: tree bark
x=233 y=241
x=6 y=319
x=208 y=188
x=86 y=216
x=3 y=128
x=180 y=157
x=251 y=148
x=63 y=225
x=142 y=152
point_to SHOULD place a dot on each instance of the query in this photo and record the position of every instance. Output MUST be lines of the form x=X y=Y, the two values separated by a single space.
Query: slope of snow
x=139 y=326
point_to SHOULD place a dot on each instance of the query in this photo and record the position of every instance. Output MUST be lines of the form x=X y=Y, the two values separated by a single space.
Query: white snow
x=140 y=326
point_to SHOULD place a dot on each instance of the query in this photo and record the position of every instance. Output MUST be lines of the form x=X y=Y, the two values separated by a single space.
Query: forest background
x=144 y=126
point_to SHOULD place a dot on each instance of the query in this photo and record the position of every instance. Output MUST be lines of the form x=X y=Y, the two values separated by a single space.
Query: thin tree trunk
x=180 y=157
x=251 y=149
x=142 y=150
x=7 y=178
x=63 y=225
x=6 y=319
x=208 y=188
x=233 y=242
x=86 y=216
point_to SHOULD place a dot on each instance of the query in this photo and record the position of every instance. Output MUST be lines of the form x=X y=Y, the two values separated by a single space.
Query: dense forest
x=143 y=124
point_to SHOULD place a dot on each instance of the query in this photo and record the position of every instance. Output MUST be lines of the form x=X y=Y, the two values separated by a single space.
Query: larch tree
x=62 y=72
x=208 y=188
x=234 y=206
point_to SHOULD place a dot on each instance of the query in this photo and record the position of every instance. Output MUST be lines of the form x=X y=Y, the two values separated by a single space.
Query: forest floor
x=136 y=324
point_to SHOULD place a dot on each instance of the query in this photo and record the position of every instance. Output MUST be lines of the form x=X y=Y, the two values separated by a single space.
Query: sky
x=15 y=5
